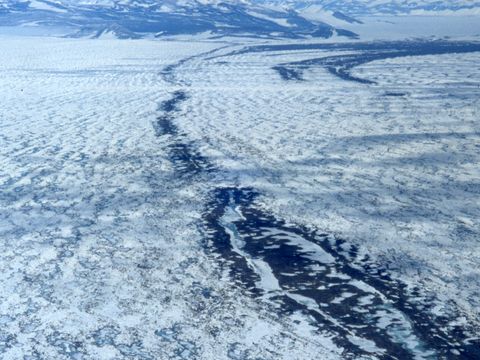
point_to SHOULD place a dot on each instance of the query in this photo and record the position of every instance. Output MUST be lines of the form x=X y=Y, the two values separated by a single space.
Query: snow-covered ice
x=101 y=256
x=104 y=249
x=391 y=167
x=396 y=174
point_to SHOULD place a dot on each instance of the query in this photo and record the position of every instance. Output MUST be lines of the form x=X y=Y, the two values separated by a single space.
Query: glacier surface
x=183 y=200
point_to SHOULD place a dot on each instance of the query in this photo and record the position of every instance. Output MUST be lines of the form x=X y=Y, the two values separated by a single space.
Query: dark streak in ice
x=186 y=159
x=325 y=277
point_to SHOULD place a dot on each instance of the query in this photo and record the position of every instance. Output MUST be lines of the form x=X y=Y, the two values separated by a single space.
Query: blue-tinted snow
x=156 y=19
x=163 y=198
x=102 y=257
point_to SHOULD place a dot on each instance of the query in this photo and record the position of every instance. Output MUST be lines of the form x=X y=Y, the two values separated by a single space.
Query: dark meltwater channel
x=345 y=294
x=363 y=53
x=299 y=270
x=185 y=158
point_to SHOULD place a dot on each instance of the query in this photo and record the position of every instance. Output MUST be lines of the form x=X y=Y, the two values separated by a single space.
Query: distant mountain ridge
x=380 y=7
x=149 y=18
x=252 y=18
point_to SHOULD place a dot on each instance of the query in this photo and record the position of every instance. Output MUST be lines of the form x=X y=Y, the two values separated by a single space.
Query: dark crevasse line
x=341 y=65
x=295 y=269
x=186 y=159
x=170 y=105
x=432 y=46
x=364 y=52
x=288 y=73
x=300 y=270
x=182 y=152
x=164 y=124
x=168 y=73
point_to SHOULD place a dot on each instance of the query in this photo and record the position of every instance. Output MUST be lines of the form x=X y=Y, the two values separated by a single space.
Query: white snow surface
x=101 y=244
x=101 y=254
x=397 y=175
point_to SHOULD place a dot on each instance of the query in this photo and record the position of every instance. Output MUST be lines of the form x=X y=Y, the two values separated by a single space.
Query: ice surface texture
x=101 y=254
x=116 y=154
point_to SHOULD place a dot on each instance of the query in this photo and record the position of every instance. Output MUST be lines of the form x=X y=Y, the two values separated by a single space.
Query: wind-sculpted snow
x=364 y=306
x=376 y=166
x=165 y=200
x=101 y=257
x=352 y=299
